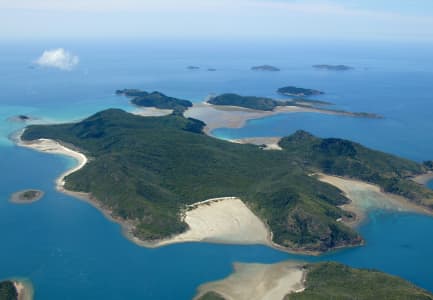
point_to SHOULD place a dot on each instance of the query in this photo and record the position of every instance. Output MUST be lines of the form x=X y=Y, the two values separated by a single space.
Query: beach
x=259 y=282
x=269 y=143
x=222 y=220
x=151 y=111
x=424 y=178
x=24 y=289
x=366 y=196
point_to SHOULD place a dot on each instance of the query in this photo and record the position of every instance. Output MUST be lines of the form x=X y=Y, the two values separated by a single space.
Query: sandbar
x=259 y=282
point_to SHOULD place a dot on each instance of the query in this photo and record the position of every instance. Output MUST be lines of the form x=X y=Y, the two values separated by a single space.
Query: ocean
x=68 y=249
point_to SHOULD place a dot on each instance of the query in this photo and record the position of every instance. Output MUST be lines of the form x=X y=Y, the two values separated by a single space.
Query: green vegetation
x=211 y=296
x=345 y=158
x=333 y=67
x=8 y=291
x=265 y=68
x=147 y=169
x=259 y=103
x=336 y=281
x=155 y=99
x=296 y=91
x=27 y=196
x=428 y=164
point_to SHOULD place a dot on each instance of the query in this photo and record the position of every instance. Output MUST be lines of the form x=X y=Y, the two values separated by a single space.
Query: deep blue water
x=69 y=250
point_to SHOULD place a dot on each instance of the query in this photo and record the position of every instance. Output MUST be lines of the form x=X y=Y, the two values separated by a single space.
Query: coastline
x=258 y=281
x=423 y=179
x=365 y=196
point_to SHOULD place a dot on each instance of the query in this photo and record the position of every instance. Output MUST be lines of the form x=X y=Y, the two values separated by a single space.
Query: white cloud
x=58 y=58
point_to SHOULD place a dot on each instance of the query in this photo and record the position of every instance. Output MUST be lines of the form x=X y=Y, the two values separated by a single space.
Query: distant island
x=268 y=104
x=326 y=280
x=155 y=99
x=27 y=196
x=211 y=69
x=193 y=68
x=299 y=92
x=333 y=67
x=265 y=68
x=169 y=164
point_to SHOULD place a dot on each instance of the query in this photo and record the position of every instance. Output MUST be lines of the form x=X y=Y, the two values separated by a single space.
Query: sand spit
x=365 y=196
x=151 y=111
x=222 y=220
x=24 y=289
x=259 y=282
x=216 y=116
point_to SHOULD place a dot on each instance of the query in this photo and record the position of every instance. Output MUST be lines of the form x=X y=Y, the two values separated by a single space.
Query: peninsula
x=166 y=164
x=265 y=68
x=267 y=105
x=27 y=196
x=16 y=290
x=296 y=280
x=298 y=92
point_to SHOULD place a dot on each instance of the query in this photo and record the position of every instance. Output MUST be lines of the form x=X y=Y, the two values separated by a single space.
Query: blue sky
x=329 y=19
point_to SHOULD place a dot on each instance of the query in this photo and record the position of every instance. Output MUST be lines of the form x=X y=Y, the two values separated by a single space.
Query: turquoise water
x=69 y=250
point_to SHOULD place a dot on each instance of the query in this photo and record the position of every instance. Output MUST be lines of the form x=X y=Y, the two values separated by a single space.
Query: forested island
x=27 y=196
x=155 y=99
x=166 y=163
x=299 y=92
x=265 y=68
x=333 y=67
x=326 y=280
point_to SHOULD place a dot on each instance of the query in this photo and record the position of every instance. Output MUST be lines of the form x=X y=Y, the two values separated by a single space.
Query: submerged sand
x=220 y=116
x=366 y=196
x=222 y=220
x=259 y=282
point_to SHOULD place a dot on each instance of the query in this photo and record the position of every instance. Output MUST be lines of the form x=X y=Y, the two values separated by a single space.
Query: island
x=267 y=68
x=16 y=290
x=211 y=69
x=333 y=67
x=268 y=104
x=193 y=68
x=303 y=281
x=26 y=196
x=155 y=99
x=298 y=92
x=22 y=118
x=148 y=173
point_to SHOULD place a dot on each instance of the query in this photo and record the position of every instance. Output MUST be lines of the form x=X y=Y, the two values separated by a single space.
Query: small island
x=211 y=69
x=267 y=68
x=16 y=290
x=155 y=99
x=22 y=118
x=333 y=67
x=298 y=92
x=26 y=196
x=193 y=68
x=303 y=281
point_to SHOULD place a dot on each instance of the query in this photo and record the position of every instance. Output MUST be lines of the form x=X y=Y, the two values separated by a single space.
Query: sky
x=188 y=19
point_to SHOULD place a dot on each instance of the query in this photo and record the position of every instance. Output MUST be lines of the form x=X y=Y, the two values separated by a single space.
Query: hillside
x=336 y=281
x=8 y=291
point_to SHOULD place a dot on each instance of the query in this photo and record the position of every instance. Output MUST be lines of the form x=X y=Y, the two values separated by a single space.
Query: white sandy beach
x=24 y=289
x=259 y=282
x=424 y=178
x=271 y=143
x=50 y=146
x=151 y=111
x=365 y=196
x=222 y=220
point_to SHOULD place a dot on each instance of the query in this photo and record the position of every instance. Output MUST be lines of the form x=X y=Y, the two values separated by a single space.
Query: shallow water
x=69 y=250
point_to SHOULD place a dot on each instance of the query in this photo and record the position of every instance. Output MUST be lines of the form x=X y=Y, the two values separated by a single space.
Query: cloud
x=58 y=58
